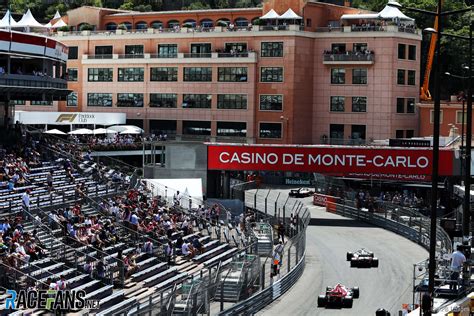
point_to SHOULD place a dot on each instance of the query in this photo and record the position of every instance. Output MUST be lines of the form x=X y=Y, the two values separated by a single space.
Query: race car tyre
x=353 y=263
x=375 y=262
x=322 y=300
x=347 y=302
x=355 y=292
x=349 y=256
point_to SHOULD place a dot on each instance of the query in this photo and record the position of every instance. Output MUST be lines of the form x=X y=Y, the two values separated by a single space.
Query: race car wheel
x=353 y=263
x=375 y=262
x=322 y=300
x=349 y=256
x=347 y=301
x=355 y=292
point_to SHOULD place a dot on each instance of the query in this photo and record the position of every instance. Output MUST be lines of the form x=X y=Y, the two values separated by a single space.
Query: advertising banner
x=328 y=159
x=327 y=201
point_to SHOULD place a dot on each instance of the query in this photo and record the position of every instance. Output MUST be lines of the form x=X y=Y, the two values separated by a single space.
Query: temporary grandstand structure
x=8 y=21
x=190 y=189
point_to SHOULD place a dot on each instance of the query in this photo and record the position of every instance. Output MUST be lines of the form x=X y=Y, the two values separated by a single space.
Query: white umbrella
x=121 y=128
x=104 y=131
x=54 y=132
x=131 y=131
x=81 y=131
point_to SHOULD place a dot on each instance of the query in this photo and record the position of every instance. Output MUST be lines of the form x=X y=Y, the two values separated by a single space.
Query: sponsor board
x=327 y=201
x=328 y=159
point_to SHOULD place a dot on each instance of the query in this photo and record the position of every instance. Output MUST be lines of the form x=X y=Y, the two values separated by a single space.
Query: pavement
x=328 y=240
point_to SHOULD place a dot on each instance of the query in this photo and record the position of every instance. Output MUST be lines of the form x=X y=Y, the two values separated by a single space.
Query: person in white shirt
x=177 y=198
x=25 y=199
x=457 y=261
x=185 y=250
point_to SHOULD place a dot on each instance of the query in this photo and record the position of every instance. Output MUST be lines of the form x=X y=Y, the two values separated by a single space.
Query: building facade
x=217 y=74
x=451 y=117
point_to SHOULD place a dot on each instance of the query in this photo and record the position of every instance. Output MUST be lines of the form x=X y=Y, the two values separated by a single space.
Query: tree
x=198 y=5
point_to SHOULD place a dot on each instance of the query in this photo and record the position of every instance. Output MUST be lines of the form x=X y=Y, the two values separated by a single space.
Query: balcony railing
x=250 y=56
x=125 y=56
x=370 y=28
x=197 y=55
x=329 y=57
x=230 y=55
x=30 y=81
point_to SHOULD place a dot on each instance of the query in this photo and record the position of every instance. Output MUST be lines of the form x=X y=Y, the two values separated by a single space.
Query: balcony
x=370 y=28
x=30 y=87
x=185 y=58
x=357 y=58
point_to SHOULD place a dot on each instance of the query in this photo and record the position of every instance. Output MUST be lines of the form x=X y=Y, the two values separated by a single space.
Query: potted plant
x=63 y=29
x=121 y=28
x=86 y=29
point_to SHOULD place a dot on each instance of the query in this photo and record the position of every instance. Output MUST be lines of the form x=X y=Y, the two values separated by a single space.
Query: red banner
x=325 y=200
x=327 y=159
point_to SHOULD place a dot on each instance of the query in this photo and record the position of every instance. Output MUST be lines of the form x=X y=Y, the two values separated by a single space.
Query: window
x=197 y=74
x=133 y=51
x=44 y=102
x=197 y=101
x=272 y=49
x=163 y=127
x=235 y=47
x=18 y=102
x=409 y=133
x=167 y=50
x=411 y=77
x=104 y=51
x=99 y=99
x=308 y=22
x=412 y=52
x=337 y=104
x=432 y=116
x=399 y=133
x=200 y=50
x=72 y=52
x=164 y=74
x=359 y=104
x=460 y=118
x=163 y=100
x=100 y=74
x=232 y=101
x=71 y=99
x=359 y=76
x=359 y=47
x=197 y=128
x=130 y=74
x=402 y=51
x=271 y=102
x=338 y=76
x=270 y=130
x=358 y=131
x=233 y=129
x=232 y=74
x=271 y=74
x=400 y=105
x=400 y=76
x=336 y=131
x=410 y=105
x=130 y=100
x=72 y=74
x=338 y=48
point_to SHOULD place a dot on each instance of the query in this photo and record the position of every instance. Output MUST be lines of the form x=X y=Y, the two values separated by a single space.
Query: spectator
x=62 y=283
x=25 y=202
x=169 y=252
x=457 y=261
x=281 y=231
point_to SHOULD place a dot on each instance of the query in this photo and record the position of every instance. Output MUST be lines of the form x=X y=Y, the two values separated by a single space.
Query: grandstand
x=68 y=223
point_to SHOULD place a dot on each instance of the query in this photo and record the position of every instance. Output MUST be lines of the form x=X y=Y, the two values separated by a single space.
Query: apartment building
x=335 y=74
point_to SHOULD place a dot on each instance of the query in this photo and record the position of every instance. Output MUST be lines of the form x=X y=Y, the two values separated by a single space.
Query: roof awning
x=290 y=15
x=360 y=16
x=271 y=15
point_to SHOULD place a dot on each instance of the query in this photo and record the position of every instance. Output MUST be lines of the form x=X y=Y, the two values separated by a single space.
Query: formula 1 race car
x=362 y=258
x=300 y=193
x=338 y=296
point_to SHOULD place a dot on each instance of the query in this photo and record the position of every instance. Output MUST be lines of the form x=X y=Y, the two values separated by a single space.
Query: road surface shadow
x=342 y=222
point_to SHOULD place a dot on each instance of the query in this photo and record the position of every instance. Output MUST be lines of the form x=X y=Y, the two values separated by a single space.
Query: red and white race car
x=338 y=296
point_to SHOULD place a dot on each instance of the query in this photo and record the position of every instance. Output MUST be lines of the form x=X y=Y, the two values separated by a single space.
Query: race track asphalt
x=328 y=240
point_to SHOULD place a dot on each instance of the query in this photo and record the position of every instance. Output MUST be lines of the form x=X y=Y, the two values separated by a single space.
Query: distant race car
x=338 y=296
x=362 y=258
x=301 y=192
